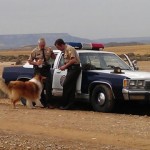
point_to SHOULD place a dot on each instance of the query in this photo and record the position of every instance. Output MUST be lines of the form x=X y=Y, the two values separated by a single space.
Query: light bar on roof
x=75 y=45
x=86 y=46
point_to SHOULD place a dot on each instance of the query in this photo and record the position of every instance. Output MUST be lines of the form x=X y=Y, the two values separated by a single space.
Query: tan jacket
x=70 y=52
x=37 y=54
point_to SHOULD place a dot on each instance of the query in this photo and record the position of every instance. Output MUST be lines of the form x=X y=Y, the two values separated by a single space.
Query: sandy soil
x=128 y=128
x=82 y=128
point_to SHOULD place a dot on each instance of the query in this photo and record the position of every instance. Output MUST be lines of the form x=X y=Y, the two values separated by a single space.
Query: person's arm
x=32 y=62
x=69 y=63
x=37 y=63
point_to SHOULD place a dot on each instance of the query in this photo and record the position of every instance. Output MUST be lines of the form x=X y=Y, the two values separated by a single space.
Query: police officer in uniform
x=72 y=63
x=40 y=59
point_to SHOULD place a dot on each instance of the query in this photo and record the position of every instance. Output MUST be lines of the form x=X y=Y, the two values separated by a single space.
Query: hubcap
x=101 y=98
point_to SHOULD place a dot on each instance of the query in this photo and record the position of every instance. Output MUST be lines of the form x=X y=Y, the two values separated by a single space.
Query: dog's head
x=39 y=78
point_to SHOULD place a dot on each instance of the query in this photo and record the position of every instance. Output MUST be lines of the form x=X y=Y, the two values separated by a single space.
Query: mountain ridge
x=11 y=41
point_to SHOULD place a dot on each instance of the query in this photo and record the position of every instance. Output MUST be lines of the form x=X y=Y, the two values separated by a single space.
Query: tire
x=23 y=101
x=102 y=99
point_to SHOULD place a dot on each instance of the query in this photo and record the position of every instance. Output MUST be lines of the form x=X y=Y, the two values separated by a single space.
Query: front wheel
x=102 y=99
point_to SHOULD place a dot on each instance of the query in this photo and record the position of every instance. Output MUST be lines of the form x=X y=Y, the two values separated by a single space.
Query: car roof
x=86 y=51
x=92 y=51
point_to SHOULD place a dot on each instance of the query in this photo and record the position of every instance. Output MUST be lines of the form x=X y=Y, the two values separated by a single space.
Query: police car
x=105 y=78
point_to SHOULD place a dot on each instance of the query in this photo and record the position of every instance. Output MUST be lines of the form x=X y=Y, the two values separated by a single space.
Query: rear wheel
x=23 y=101
x=102 y=99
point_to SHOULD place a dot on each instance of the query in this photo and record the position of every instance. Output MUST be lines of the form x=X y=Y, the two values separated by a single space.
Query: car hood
x=136 y=74
x=129 y=74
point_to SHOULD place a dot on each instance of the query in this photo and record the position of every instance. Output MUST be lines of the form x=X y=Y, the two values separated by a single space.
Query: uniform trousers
x=69 y=86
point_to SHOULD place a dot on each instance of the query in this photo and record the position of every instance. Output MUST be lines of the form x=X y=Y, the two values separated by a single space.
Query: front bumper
x=136 y=95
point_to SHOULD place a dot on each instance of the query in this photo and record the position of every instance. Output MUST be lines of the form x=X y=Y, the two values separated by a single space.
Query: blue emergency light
x=75 y=45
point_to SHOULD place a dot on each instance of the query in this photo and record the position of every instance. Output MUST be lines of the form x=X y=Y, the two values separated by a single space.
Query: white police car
x=105 y=78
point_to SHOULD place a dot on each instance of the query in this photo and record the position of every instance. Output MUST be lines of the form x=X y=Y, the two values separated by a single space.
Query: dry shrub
x=136 y=49
x=18 y=62
x=3 y=95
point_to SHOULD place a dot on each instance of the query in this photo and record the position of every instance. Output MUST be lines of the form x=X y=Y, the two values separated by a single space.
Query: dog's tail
x=3 y=87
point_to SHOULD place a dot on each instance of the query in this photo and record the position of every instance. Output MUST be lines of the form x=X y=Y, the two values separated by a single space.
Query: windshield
x=102 y=61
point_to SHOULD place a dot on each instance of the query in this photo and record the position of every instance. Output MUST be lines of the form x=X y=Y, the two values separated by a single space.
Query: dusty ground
x=126 y=129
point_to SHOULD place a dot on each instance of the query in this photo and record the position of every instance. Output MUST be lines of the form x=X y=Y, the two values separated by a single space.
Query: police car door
x=59 y=77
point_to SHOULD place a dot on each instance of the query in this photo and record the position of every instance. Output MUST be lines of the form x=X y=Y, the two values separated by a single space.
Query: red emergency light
x=97 y=46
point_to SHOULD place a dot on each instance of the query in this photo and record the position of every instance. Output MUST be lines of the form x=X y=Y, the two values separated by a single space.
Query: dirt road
x=49 y=129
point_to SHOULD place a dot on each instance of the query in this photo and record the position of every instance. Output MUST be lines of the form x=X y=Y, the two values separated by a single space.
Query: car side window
x=95 y=61
x=85 y=61
x=91 y=61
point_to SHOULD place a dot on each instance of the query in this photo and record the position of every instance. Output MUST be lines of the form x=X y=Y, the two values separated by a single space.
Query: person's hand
x=62 y=68
x=39 y=62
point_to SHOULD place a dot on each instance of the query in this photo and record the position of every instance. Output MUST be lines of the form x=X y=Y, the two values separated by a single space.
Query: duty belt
x=74 y=67
x=43 y=66
x=44 y=71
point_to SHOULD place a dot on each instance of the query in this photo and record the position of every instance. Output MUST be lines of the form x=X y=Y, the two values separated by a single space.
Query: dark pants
x=69 y=86
x=46 y=98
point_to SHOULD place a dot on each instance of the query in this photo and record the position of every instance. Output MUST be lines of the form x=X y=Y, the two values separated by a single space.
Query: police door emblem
x=62 y=79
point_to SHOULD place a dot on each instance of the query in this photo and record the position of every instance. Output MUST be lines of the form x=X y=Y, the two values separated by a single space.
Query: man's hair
x=41 y=40
x=59 y=42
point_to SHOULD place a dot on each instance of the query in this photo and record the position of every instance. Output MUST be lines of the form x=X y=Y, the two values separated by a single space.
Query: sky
x=92 y=19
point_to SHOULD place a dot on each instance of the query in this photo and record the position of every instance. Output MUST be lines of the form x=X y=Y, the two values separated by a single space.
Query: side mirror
x=134 y=63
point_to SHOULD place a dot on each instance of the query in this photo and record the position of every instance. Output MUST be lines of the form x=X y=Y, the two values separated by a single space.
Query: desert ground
x=128 y=128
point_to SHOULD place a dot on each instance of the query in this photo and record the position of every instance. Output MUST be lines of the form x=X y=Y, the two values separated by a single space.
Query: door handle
x=58 y=71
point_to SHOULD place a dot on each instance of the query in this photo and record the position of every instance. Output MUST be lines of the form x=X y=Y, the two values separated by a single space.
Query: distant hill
x=21 y=40
x=25 y=40
x=114 y=44
x=144 y=40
